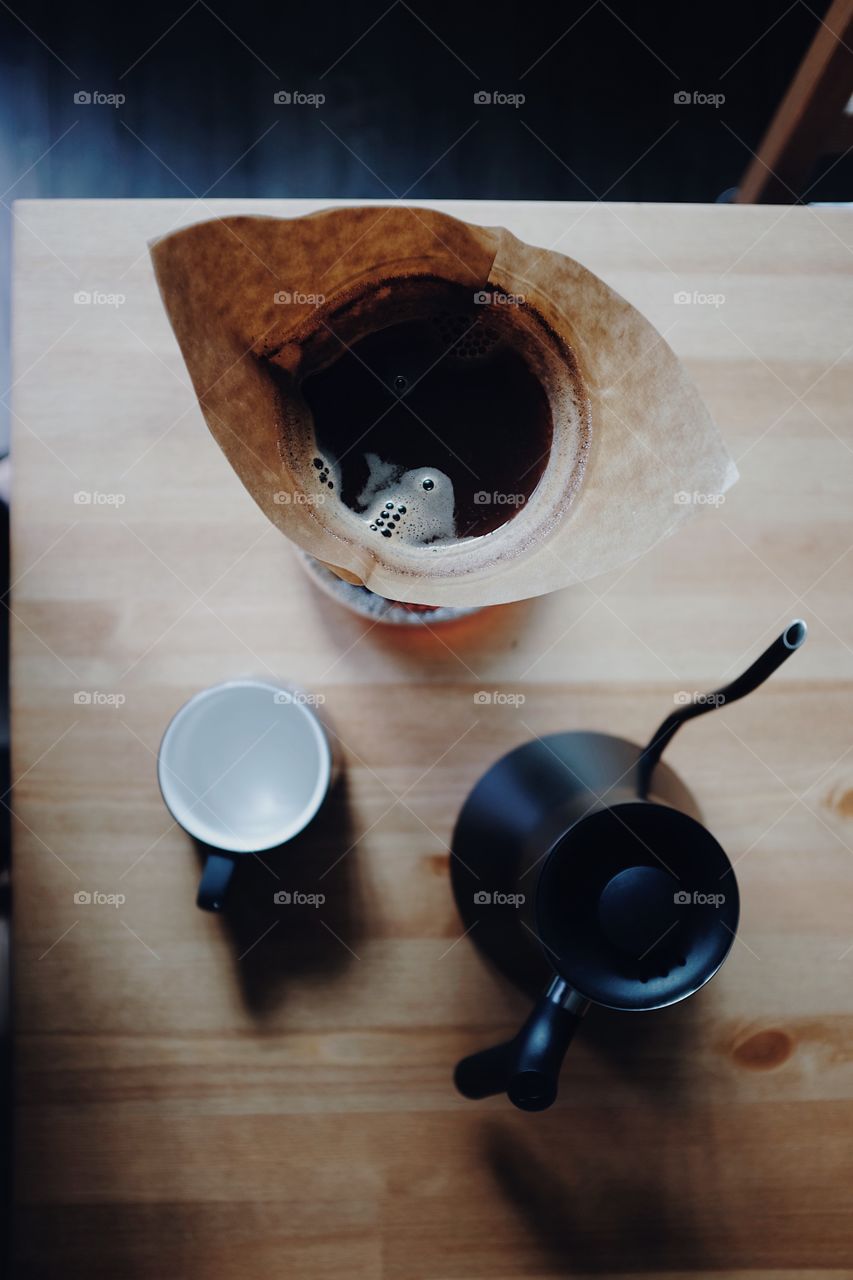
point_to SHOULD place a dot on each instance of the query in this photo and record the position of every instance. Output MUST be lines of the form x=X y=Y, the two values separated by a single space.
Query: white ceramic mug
x=244 y=766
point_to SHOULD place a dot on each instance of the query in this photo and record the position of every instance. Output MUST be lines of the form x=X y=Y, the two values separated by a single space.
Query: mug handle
x=215 y=880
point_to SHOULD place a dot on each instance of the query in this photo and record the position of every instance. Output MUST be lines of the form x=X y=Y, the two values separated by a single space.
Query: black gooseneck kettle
x=589 y=847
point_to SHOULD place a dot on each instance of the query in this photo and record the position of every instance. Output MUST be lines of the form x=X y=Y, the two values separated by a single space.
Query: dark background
x=399 y=119
x=399 y=79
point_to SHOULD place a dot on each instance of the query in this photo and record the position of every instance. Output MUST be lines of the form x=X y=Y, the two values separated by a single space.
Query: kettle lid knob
x=636 y=908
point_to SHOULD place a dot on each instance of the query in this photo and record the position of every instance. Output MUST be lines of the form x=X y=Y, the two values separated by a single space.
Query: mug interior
x=244 y=766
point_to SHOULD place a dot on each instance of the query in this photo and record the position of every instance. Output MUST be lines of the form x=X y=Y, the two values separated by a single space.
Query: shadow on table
x=294 y=913
x=604 y=1201
x=618 y=1184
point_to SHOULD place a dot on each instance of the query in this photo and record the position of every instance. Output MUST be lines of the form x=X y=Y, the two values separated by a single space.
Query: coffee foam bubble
x=414 y=507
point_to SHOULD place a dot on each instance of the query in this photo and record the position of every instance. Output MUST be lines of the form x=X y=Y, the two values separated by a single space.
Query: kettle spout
x=779 y=651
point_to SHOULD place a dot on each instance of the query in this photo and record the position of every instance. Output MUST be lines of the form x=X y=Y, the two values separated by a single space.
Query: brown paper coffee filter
x=258 y=303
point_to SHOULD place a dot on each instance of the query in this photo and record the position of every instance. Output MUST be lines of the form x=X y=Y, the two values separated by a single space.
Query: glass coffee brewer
x=632 y=902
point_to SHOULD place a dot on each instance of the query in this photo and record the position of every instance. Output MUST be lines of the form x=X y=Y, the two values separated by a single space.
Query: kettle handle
x=527 y=1067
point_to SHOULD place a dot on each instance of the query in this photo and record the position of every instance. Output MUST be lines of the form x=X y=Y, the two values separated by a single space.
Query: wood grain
x=200 y=1098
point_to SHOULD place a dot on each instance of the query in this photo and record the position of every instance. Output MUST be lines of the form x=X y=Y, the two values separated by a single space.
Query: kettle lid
x=637 y=906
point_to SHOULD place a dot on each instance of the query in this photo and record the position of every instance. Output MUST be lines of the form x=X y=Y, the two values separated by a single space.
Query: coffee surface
x=430 y=430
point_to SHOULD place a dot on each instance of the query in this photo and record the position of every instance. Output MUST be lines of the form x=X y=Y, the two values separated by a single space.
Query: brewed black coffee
x=431 y=430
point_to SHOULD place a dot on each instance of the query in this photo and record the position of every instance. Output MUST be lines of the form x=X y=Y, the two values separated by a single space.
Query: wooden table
x=198 y=1097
